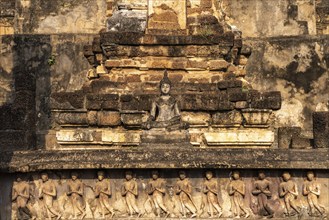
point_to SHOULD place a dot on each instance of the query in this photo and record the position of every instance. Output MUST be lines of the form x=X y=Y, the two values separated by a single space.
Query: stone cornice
x=173 y=157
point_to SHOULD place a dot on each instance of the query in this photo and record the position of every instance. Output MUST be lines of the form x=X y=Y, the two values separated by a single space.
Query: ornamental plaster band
x=121 y=138
x=74 y=136
x=250 y=137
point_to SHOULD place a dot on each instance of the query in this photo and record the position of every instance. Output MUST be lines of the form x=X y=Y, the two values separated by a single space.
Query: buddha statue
x=165 y=112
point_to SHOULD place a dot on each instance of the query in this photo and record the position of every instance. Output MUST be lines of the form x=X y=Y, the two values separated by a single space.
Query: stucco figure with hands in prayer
x=210 y=188
x=311 y=190
x=47 y=193
x=103 y=193
x=262 y=191
x=237 y=191
x=75 y=192
x=21 y=195
x=130 y=191
x=183 y=190
x=156 y=189
x=288 y=190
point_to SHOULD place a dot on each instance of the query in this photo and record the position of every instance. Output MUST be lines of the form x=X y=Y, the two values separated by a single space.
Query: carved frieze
x=169 y=194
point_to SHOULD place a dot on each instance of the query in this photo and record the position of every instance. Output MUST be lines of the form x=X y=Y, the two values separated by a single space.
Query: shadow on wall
x=30 y=55
x=18 y=113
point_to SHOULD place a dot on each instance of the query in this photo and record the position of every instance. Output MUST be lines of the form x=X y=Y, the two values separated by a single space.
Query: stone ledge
x=27 y=161
x=241 y=137
x=138 y=38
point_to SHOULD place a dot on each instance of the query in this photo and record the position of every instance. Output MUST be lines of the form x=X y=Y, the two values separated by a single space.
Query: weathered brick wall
x=298 y=66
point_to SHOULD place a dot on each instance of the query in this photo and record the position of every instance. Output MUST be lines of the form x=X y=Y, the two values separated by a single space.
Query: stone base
x=164 y=137
x=108 y=137
x=240 y=138
x=91 y=138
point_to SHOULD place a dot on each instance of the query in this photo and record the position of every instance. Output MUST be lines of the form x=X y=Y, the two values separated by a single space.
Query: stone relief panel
x=175 y=193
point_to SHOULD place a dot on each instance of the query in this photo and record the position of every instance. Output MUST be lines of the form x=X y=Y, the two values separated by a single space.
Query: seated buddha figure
x=165 y=112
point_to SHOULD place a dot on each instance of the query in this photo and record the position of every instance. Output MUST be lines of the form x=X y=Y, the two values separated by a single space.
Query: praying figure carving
x=288 y=190
x=130 y=191
x=156 y=189
x=184 y=189
x=21 y=195
x=165 y=112
x=237 y=191
x=47 y=195
x=103 y=192
x=262 y=191
x=311 y=189
x=161 y=196
x=75 y=193
x=211 y=189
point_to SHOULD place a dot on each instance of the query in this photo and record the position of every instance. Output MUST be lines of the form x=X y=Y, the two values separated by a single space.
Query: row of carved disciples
x=156 y=189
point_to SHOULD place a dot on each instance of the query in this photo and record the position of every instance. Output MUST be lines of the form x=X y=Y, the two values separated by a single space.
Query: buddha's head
x=209 y=175
x=100 y=175
x=18 y=179
x=261 y=175
x=74 y=175
x=286 y=176
x=44 y=176
x=182 y=175
x=165 y=84
x=310 y=175
x=129 y=175
x=236 y=175
x=155 y=174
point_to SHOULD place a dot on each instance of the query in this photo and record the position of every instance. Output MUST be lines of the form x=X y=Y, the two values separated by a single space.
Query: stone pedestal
x=160 y=138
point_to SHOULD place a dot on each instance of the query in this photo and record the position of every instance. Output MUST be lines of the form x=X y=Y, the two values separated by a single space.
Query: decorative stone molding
x=240 y=138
